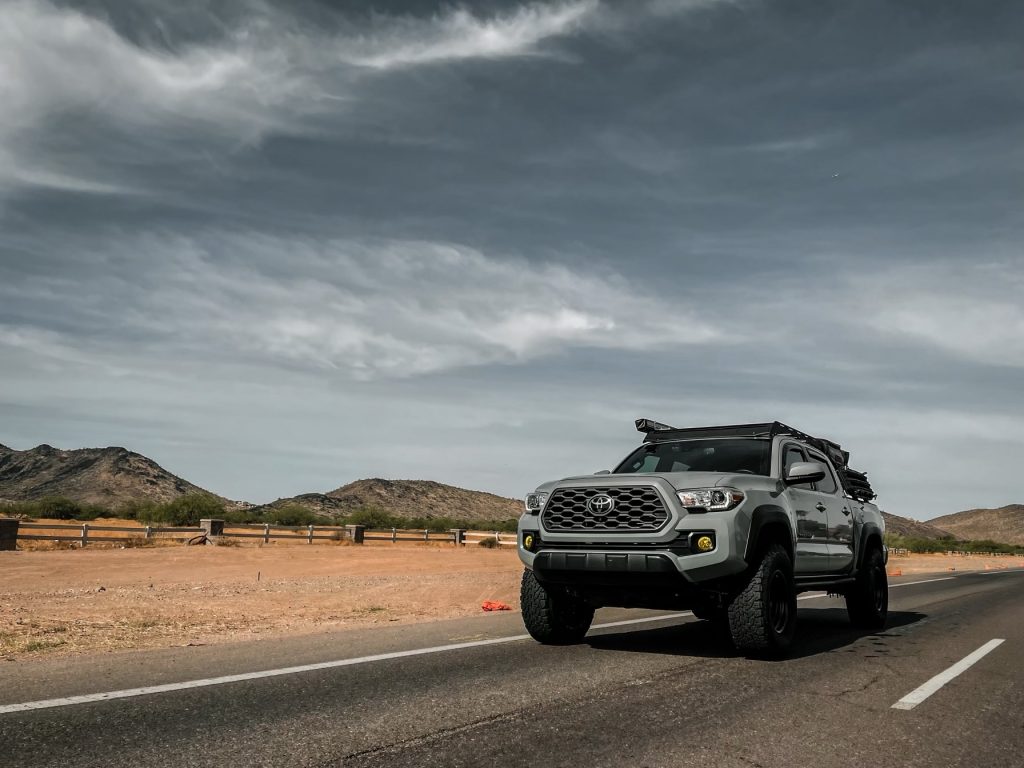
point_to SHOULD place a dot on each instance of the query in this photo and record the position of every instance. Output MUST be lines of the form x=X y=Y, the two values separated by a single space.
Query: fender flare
x=760 y=518
x=869 y=530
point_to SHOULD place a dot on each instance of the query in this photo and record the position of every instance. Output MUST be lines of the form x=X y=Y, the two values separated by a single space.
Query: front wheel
x=867 y=602
x=762 y=616
x=553 y=615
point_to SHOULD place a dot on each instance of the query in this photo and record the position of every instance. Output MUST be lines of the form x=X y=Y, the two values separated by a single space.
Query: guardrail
x=214 y=530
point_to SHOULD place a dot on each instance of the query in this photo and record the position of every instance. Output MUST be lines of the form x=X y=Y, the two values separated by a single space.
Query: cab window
x=792 y=455
x=828 y=484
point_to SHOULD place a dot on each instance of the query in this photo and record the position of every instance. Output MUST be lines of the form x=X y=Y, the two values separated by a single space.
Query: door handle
x=820 y=507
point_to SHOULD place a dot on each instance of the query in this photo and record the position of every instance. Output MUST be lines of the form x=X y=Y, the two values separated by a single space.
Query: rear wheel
x=867 y=601
x=762 y=616
x=553 y=615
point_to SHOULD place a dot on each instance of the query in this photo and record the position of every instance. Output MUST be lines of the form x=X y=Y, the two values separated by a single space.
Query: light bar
x=650 y=425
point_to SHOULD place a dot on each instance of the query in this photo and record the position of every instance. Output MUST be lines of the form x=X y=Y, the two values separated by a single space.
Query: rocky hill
x=905 y=526
x=1005 y=524
x=107 y=477
x=409 y=498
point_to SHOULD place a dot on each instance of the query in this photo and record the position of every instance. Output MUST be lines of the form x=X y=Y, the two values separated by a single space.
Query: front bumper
x=603 y=567
x=575 y=560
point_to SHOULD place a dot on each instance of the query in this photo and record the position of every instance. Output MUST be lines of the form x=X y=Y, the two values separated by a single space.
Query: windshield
x=747 y=455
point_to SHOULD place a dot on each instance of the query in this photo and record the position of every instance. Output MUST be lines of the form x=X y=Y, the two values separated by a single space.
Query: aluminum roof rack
x=854 y=483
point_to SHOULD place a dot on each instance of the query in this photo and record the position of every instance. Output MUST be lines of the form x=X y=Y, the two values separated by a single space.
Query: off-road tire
x=867 y=601
x=553 y=615
x=762 y=616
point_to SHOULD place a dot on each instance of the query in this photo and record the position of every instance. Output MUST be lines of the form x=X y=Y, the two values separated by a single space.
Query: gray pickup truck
x=731 y=522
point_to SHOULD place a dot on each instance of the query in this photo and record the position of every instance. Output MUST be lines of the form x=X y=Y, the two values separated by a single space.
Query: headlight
x=711 y=499
x=535 y=502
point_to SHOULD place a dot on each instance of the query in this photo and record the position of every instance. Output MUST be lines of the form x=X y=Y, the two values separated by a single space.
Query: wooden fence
x=83 y=533
x=213 y=531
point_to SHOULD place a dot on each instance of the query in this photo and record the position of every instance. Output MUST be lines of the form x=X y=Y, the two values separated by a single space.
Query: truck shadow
x=819 y=630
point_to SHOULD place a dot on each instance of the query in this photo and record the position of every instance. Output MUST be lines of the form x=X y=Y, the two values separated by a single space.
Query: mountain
x=107 y=477
x=1005 y=524
x=905 y=526
x=409 y=498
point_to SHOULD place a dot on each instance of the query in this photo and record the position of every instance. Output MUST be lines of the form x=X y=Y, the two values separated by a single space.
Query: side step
x=825 y=583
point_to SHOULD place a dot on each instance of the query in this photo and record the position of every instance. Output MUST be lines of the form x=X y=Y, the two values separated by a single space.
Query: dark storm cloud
x=301 y=227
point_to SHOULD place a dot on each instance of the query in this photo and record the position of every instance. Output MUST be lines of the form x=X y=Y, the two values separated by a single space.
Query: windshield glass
x=747 y=455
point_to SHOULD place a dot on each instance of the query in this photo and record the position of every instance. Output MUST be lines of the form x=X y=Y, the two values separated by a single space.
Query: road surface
x=659 y=692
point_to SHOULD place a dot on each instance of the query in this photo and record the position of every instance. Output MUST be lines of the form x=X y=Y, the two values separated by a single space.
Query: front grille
x=636 y=509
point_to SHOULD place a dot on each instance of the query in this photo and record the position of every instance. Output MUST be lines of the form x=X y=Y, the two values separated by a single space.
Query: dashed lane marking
x=918 y=695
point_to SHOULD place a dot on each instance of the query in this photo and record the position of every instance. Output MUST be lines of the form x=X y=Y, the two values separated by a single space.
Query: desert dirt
x=76 y=601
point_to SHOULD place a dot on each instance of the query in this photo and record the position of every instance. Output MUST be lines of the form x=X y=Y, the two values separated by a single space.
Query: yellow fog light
x=528 y=542
x=705 y=544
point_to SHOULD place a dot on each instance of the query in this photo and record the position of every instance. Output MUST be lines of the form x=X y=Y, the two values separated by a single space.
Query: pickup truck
x=730 y=522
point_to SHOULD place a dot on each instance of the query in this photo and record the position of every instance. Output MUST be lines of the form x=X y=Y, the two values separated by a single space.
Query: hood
x=677 y=480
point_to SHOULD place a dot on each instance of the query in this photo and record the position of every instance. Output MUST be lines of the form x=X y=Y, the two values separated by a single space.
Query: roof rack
x=854 y=483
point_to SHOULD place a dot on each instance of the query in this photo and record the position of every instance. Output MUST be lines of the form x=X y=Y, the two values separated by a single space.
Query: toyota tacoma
x=729 y=522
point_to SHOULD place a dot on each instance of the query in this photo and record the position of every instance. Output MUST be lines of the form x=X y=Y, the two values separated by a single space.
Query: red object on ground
x=494 y=605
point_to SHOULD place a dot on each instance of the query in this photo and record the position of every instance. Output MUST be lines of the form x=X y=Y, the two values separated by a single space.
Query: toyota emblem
x=600 y=505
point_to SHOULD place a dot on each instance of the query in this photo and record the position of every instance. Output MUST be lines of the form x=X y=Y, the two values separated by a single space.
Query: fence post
x=497 y=537
x=85 y=534
x=311 y=533
x=394 y=535
x=8 y=534
x=149 y=532
x=426 y=534
x=458 y=536
x=355 y=533
x=266 y=533
x=212 y=528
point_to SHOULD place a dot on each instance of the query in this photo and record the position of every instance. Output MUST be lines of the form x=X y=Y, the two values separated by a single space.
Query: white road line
x=206 y=682
x=923 y=581
x=918 y=695
x=644 y=620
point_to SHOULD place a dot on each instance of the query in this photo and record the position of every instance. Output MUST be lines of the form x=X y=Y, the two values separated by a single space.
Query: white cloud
x=460 y=34
x=972 y=311
x=368 y=309
x=59 y=64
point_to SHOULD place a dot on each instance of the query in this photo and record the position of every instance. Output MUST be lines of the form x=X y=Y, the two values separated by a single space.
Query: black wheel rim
x=778 y=603
x=878 y=589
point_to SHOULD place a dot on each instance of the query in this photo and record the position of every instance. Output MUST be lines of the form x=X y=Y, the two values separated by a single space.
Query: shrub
x=374 y=518
x=137 y=509
x=949 y=544
x=488 y=543
x=186 y=510
x=56 y=507
x=292 y=514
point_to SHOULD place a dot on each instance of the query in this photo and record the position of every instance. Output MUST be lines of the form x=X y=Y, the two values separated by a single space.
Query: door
x=812 y=554
x=839 y=509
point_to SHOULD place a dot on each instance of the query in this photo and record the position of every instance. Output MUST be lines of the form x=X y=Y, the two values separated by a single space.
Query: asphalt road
x=658 y=693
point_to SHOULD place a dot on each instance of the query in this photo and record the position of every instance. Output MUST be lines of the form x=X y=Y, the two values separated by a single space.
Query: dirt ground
x=74 y=601
x=65 y=602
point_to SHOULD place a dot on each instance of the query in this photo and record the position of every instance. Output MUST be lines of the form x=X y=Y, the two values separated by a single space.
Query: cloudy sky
x=278 y=247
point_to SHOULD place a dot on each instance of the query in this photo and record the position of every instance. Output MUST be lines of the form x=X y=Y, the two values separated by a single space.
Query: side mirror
x=603 y=472
x=804 y=472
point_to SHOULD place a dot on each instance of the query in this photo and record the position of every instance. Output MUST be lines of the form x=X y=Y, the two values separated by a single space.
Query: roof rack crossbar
x=854 y=483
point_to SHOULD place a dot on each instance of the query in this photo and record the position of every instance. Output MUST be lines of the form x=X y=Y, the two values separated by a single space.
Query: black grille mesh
x=638 y=508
